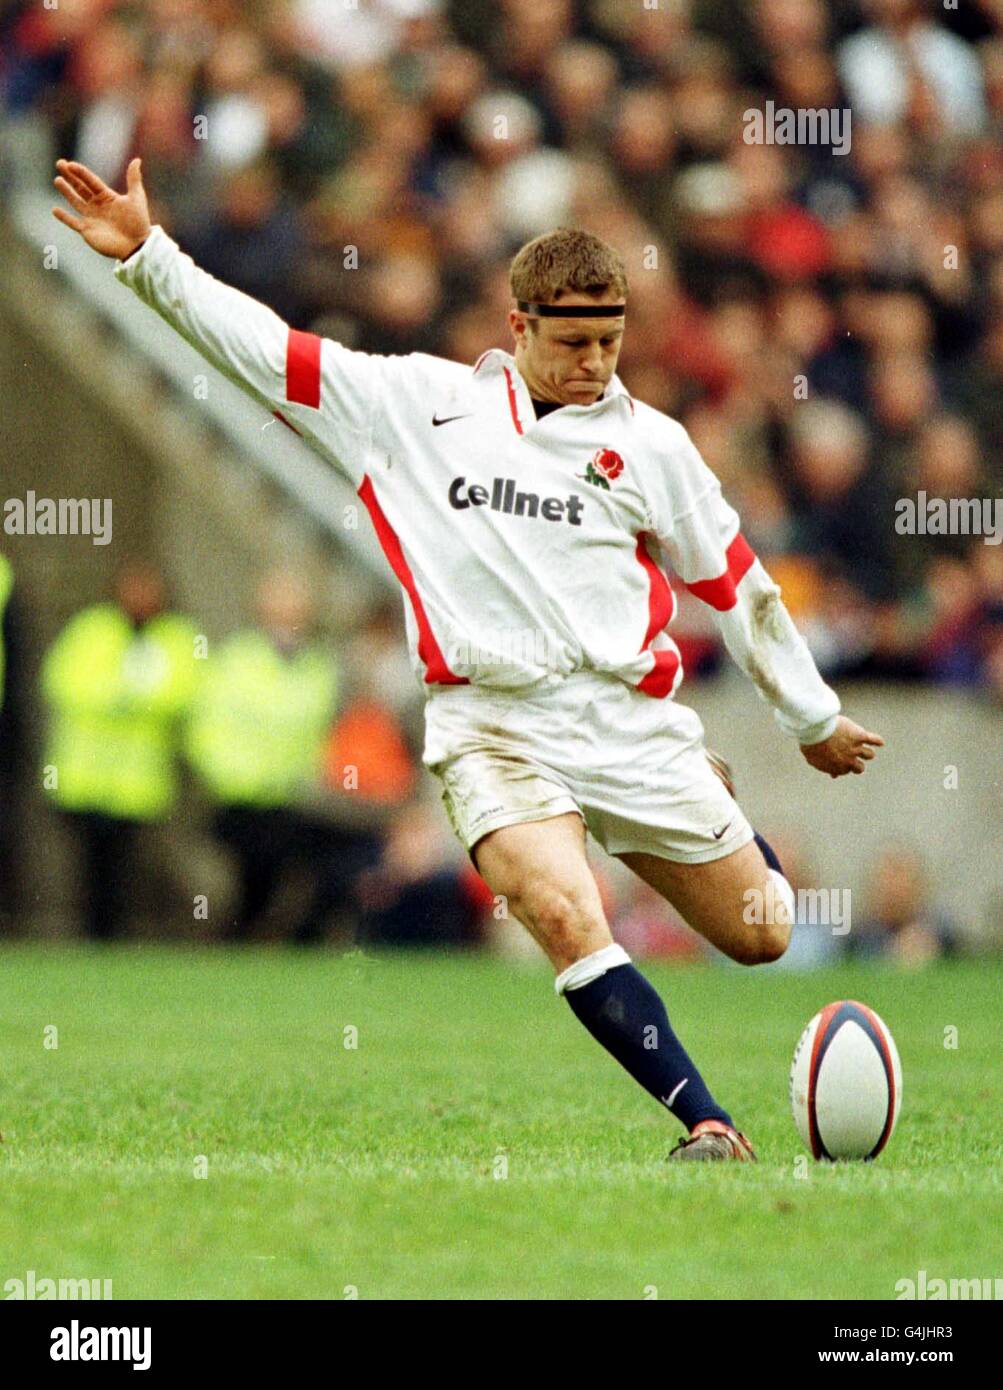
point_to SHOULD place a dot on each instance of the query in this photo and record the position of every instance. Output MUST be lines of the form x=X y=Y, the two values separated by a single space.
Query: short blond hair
x=566 y=261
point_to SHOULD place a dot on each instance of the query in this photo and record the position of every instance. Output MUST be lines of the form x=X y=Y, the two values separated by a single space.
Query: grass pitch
x=476 y=1143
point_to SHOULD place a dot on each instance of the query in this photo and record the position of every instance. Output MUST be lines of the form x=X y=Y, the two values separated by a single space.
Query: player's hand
x=846 y=749
x=113 y=223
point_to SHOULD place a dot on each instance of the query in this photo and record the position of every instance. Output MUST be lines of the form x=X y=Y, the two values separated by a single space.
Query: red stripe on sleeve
x=303 y=368
x=661 y=678
x=436 y=670
x=720 y=592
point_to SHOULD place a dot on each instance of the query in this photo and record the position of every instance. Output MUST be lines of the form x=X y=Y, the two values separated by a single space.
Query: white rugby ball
x=846 y=1082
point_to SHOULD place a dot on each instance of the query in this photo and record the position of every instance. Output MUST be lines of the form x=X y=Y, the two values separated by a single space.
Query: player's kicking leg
x=541 y=869
x=713 y=897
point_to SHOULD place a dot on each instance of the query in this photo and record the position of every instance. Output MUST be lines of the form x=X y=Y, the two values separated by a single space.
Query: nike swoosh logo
x=446 y=419
x=718 y=833
x=667 y=1100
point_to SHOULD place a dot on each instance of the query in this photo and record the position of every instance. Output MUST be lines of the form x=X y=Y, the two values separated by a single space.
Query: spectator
x=837 y=499
x=255 y=737
x=901 y=924
x=906 y=65
x=416 y=896
x=118 y=681
x=253 y=239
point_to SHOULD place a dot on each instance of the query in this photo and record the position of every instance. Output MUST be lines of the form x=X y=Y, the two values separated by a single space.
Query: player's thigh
x=540 y=868
x=731 y=901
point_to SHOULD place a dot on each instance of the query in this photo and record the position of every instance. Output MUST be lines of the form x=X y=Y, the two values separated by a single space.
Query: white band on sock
x=785 y=893
x=589 y=968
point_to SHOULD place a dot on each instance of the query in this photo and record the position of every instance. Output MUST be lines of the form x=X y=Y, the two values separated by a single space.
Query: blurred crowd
x=291 y=768
x=829 y=326
x=288 y=771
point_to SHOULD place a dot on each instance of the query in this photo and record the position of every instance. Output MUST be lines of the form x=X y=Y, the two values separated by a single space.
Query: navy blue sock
x=768 y=852
x=624 y=1012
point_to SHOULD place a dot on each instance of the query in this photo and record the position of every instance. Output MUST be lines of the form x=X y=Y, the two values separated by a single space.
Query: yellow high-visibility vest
x=117 y=696
x=259 y=720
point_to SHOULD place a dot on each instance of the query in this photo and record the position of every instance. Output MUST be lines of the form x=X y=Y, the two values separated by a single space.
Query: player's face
x=569 y=361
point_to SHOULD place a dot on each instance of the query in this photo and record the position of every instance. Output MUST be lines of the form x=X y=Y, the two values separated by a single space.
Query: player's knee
x=773 y=942
x=761 y=944
x=765 y=935
x=768 y=940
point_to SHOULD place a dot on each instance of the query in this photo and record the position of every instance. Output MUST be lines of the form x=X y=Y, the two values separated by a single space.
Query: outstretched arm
x=325 y=391
x=708 y=551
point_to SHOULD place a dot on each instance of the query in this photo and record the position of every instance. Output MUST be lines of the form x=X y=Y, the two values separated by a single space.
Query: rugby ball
x=846 y=1082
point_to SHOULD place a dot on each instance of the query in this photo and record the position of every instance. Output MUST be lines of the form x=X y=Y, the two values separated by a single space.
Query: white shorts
x=633 y=767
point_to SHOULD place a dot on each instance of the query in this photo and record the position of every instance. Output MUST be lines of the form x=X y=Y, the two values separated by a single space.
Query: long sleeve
x=327 y=392
x=705 y=546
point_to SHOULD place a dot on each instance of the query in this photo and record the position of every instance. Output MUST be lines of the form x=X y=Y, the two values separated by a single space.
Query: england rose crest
x=604 y=467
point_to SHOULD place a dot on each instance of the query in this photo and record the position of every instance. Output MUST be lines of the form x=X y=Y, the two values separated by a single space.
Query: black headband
x=571 y=311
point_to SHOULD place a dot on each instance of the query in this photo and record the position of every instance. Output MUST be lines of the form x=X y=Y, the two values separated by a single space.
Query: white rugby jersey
x=527 y=549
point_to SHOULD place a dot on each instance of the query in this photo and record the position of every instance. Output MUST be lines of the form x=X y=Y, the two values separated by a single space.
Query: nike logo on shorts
x=447 y=418
x=718 y=833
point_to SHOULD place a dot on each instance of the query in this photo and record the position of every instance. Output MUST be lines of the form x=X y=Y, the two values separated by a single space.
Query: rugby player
x=523 y=504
